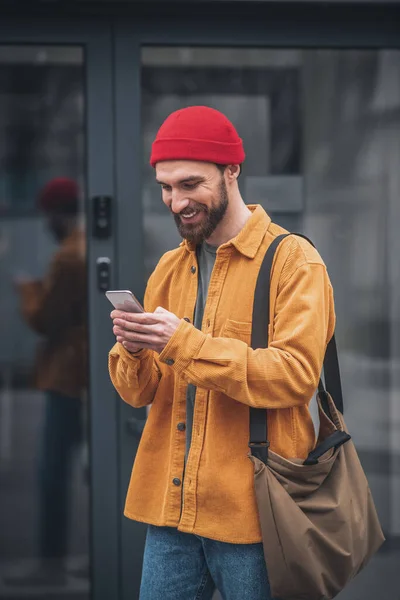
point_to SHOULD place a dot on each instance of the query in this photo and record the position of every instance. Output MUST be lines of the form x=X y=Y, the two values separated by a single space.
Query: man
x=55 y=308
x=189 y=356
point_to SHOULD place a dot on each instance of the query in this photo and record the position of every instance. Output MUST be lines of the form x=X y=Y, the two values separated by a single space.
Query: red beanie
x=198 y=133
x=59 y=195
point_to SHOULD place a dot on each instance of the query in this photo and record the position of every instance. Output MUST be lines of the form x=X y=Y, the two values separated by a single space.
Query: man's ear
x=233 y=172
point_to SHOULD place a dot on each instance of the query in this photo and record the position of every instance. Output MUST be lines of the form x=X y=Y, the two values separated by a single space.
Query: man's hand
x=21 y=280
x=144 y=330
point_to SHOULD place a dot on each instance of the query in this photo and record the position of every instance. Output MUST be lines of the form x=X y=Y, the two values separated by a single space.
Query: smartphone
x=124 y=300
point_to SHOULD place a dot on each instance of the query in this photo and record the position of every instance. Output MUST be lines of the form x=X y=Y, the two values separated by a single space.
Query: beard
x=199 y=232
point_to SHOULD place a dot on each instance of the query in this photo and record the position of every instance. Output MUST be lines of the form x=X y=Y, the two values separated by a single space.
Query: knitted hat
x=59 y=195
x=198 y=133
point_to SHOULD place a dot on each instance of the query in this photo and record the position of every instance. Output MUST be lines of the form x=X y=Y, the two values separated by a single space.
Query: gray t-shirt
x=206 y=256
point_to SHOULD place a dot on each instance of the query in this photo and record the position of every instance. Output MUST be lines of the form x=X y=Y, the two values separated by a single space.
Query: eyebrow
x=190 y=179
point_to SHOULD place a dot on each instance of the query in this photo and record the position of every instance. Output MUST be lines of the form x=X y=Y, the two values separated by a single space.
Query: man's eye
x=167 y=188
x=189 y=186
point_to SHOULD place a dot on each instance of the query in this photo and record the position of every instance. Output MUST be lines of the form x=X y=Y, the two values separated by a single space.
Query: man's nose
x=178 y=202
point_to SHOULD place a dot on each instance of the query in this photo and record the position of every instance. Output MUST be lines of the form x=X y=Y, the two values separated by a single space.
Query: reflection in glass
x=321 y=131
x=43 y=305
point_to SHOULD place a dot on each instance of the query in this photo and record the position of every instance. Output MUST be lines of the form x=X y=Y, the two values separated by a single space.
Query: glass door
x=57 y=471
x=321 y=132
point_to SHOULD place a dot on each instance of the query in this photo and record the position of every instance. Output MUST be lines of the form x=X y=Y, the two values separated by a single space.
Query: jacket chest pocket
x=238 y=330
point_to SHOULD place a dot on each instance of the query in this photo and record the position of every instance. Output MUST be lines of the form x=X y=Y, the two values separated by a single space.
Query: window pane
x=43 y=343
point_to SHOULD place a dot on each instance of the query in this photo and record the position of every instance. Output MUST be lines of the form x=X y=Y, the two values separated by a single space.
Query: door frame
x=315 y=30
x=95 y=37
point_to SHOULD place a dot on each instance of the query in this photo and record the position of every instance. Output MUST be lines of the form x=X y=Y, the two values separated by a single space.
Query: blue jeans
x=62 y=433
x=182 y=566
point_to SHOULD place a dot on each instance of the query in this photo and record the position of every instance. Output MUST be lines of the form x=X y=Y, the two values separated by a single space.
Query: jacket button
x=186 y=319
x=176 y=481
x=181 y=426
x=169 y=361
x=193 y=269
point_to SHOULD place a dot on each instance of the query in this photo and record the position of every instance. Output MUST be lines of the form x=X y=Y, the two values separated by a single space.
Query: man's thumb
x=160 y=309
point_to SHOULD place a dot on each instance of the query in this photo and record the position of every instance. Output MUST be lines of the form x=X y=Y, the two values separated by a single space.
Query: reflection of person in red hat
x=55 y=308
x=189 y=355
x=59 y=200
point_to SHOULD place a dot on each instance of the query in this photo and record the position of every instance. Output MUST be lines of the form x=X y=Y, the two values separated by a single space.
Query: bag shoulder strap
x=259 y=339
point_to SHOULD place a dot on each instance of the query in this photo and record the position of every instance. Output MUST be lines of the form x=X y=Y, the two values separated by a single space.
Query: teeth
x=190 y=215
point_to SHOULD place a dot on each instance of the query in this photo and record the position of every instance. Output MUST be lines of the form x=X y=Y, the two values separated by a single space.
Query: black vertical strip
x=259 y=339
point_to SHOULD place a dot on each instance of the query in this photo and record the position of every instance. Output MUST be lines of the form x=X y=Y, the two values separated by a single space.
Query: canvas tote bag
x=318 y=520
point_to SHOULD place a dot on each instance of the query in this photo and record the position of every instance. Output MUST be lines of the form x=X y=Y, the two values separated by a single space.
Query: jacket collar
x=249 y=239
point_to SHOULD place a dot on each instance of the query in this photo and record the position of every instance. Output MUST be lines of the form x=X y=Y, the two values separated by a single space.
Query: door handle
x=101 y=206
x=103 y=268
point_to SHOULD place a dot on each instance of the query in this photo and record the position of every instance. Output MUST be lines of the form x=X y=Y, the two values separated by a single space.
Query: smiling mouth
x=190 y=215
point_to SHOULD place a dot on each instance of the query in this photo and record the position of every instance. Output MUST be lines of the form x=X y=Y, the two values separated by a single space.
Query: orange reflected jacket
x=56 y=308
x=215 y=496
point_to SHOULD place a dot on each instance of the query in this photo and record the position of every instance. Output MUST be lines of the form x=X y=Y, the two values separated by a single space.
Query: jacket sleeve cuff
x=182 y=347
x=119 y=350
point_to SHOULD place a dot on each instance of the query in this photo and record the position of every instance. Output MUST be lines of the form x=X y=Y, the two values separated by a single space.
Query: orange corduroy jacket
x=55 y=307
x=214 y=495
